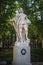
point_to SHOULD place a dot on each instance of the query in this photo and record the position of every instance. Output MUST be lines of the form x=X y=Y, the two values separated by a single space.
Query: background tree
x=34 y=11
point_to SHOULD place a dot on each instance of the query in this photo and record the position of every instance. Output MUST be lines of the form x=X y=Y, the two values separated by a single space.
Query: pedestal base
x=21 y=55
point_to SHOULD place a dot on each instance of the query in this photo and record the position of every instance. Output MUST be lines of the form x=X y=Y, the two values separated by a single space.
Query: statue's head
x=20 y=10
x=21 y=17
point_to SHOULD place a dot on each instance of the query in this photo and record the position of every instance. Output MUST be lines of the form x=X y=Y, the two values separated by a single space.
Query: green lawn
x=36 y=54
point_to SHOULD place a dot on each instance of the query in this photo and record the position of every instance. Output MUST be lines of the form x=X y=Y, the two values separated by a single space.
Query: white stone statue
x=21 y=22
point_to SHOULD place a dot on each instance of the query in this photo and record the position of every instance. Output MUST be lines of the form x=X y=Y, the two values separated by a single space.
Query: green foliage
x=32 y=8
x=8 y=9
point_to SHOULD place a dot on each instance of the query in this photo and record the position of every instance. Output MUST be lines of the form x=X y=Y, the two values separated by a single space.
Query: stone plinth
x=21 y=54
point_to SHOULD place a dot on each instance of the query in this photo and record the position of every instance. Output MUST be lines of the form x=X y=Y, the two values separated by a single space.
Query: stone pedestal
x=21 y=54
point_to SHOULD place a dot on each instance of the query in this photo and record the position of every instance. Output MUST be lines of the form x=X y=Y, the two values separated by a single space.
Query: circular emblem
x=23 y=51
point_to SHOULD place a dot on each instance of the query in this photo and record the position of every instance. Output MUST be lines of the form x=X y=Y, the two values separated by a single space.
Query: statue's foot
x=28 y=40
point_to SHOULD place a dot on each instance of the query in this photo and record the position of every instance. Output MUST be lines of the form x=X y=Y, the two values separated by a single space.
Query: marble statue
x=21 y=22
x=21 y=48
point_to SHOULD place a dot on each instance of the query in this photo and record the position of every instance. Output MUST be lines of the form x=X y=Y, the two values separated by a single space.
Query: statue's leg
x=17 y=37
x=20 y=31
x=26 y=32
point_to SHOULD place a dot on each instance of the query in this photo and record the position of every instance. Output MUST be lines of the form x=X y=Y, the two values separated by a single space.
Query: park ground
x=6 y=56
